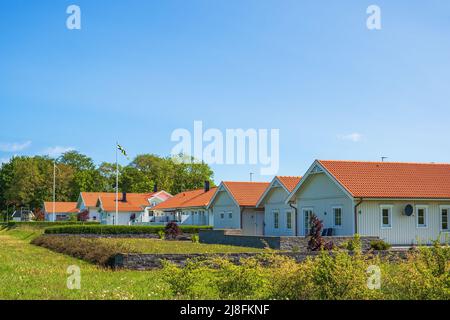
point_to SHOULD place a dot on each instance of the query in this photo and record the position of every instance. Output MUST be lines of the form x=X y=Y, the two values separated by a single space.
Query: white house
x=234 y=207
x=145 y=201
x=62 y=210
x=279 y=217
x=186 y=208
x=402 y=203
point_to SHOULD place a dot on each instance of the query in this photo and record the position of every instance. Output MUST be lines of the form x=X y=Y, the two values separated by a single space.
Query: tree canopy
x=28 y=181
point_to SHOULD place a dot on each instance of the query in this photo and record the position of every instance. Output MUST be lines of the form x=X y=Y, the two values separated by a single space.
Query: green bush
x=81 y=248
x=379 y=245
x=45 y=224
x=106 y=229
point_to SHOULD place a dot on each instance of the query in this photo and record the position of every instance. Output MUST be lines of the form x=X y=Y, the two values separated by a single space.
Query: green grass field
x=162 y=246
x=31 y=272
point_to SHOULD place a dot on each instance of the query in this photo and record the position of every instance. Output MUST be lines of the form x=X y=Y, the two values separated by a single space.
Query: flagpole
x=54 y=189
x=117 y=185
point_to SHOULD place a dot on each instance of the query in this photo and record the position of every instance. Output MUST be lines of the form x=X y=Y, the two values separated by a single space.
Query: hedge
x=44 y=224
x=106 y=229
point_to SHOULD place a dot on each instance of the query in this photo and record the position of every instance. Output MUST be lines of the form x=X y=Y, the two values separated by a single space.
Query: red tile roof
x=289 y=182
x=246 y=193
x=391 y=179
x=135 y=202
x=61 y=207
x=187 y=199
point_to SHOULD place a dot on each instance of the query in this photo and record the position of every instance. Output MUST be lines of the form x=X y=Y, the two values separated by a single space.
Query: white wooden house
x=402 y=203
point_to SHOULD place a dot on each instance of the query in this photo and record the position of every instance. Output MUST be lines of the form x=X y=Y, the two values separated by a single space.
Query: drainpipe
x=296 y=217
x=356 y=214
x=241 y=212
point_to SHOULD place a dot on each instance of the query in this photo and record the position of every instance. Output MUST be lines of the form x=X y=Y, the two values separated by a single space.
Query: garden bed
x=124 y=230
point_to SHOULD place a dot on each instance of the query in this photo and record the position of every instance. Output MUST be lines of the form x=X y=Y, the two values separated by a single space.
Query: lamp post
x=54 y=187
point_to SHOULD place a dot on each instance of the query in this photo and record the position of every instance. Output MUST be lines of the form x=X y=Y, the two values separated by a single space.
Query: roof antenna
x=251 y=176
x=383 y=158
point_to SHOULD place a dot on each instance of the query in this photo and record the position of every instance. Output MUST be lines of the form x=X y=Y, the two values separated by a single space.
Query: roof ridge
x=387 y=162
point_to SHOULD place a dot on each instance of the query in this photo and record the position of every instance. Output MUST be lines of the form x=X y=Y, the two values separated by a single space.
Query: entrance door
x=253 y=223
x=307 y=214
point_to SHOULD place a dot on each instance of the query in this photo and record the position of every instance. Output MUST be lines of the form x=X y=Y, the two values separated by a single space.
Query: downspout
x=241 y=209
x=356 y=214
x=296 y=218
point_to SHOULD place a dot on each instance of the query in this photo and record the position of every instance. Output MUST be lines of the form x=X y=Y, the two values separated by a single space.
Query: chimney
x=155 y=188
x=207 y=187
x=124 y=197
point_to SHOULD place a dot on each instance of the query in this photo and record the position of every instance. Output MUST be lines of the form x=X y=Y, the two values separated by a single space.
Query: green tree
x=78 y=161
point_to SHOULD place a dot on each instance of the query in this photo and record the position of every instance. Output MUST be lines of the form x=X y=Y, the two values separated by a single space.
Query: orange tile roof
x=187 y=199
x=391 y=179
x=61 y=207
x=135 y=202
x=289 y=182
x=246 y=193
x=90 y=198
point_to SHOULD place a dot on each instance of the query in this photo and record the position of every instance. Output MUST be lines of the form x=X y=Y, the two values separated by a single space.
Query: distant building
x=62 y=210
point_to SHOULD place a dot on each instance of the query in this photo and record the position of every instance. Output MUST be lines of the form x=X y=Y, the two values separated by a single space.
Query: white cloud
x=57 y=151
x=353 y=137
x=15 y=146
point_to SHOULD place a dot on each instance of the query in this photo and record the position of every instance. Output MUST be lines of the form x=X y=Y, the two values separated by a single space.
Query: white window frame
x=425 y=208
x=390 y=208
x=334 y=217
x=288 y=214
x=276 y=213
x=304 y=218
x=441 y=208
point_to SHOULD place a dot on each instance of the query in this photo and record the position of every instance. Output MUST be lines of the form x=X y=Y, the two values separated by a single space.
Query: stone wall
x=297 y=244
x=142 y=262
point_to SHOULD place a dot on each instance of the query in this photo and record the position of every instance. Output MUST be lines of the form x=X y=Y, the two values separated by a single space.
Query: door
x=307 y=214
x=253 y=223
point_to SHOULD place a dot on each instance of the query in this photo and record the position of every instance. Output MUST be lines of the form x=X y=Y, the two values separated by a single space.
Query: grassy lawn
x=162 y=246
x=31 y=272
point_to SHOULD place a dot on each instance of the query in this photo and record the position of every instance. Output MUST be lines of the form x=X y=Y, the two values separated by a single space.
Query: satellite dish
x=409 y=210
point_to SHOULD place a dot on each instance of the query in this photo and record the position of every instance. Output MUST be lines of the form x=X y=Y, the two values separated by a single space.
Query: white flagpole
x=54 y=189
x=117 y=185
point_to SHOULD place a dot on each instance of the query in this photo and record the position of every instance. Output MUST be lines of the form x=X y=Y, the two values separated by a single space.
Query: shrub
x=107 y=229
x=195 y=238
x=161 y=234
x=379 y=245
x=316 y=241
x=354 y=245
x=45 y=224
x=172 y=230
x=81 y=248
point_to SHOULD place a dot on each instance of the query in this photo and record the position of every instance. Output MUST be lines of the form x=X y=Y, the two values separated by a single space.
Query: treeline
x=28 y=181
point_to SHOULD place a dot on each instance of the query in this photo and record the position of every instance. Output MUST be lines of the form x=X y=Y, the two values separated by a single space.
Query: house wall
x=404 y=229
x=321 y=194
x=225 y=204
x=94 y=215
x=123 y=218
x=275 y=200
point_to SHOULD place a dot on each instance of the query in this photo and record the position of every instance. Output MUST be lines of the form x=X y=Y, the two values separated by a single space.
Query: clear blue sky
x=140 y=69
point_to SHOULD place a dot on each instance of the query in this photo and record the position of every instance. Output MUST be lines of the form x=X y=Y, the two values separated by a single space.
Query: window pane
x=421 y=217
x=444 y=219
x=275 y=219
x=337 y=217
x=386 y=221
x=289 y=220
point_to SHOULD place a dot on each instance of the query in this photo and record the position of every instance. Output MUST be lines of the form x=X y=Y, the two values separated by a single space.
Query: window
x=276 y=219
x=444 y=218
x=421 y=213
x=289 y=219
x=337 y=215
x=386 y=216
x=222 y=215
x=307 y=213
x=230 y=215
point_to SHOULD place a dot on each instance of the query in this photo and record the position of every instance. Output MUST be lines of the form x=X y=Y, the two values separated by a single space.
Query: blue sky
x=137 y=70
